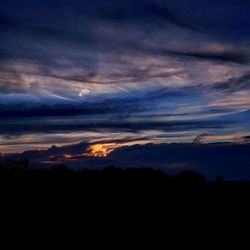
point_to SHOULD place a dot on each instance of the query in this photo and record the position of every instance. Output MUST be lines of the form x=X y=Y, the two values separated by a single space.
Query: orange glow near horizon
x=100 y=150
x=68 y=156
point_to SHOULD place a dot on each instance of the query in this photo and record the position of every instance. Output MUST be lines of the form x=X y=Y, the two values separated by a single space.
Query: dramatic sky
x=117 y=73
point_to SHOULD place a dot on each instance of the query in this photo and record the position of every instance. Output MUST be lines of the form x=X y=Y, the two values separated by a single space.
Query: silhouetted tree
x=23 y=164
x=2 y=167
x=112 y=171
x=131 y=182
x=219 y=182
x=59 y=169
x=191 y=179
x=9 y=163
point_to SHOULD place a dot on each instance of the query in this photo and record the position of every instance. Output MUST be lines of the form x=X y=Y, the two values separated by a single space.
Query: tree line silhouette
x=20 y=173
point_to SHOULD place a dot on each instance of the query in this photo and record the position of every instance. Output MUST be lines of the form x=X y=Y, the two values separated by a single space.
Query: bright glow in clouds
x=83 y=92
x=99 y=150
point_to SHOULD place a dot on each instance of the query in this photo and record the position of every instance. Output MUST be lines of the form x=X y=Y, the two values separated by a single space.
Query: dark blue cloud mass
x=208 y=159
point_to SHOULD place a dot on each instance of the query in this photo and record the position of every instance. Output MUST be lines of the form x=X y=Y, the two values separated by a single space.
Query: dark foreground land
x=18 y=177
x=125 y=197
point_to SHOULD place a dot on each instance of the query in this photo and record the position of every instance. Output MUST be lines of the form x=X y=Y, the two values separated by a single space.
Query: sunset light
x=132 y=83
x=68 y=156
x=99 y=150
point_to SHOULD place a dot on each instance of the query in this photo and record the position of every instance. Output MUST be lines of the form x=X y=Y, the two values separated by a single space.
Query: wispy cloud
x=113 y=67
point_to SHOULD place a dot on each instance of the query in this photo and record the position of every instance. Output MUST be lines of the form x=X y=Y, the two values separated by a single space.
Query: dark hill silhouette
x=120 y=194
x=16 y=175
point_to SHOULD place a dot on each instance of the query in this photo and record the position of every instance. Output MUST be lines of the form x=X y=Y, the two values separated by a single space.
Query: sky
x=113 y=74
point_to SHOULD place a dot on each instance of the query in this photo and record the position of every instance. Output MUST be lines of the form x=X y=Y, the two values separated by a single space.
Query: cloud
x=57 y=151
x=151 y=12
x=235 y=84
x=123 y=67
x=229 y=160
x=71 y=126
x=208 y=159
x=226 y=57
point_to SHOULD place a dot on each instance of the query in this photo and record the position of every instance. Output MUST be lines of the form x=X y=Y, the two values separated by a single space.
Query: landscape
x=146 y=97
